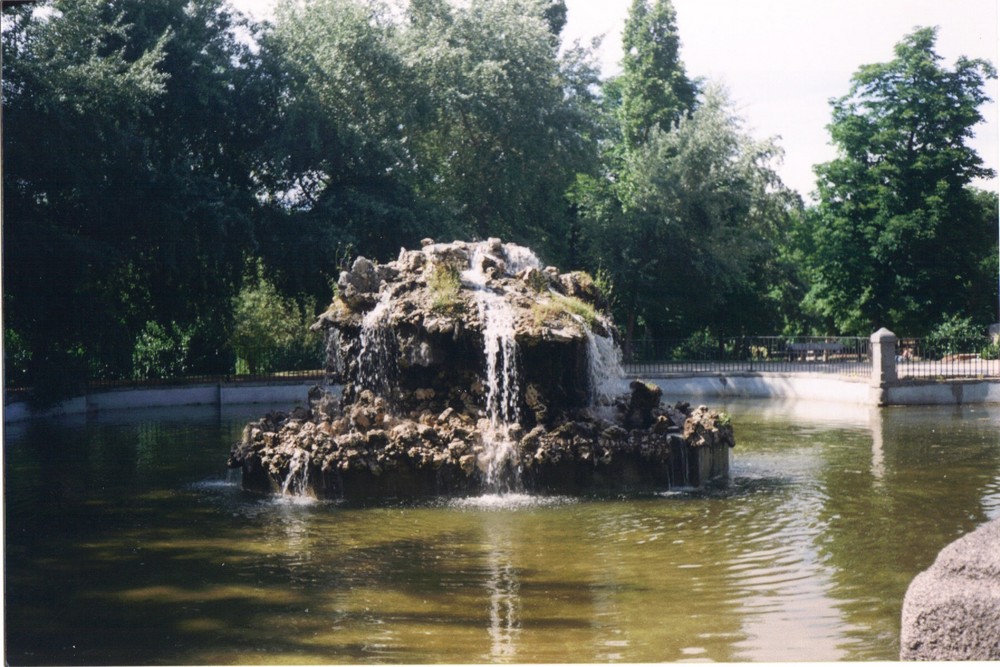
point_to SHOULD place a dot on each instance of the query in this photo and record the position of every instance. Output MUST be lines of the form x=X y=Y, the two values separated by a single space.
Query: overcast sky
x=783 y=60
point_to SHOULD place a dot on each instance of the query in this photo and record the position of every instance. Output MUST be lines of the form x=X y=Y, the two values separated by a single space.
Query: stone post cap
x=883 y=335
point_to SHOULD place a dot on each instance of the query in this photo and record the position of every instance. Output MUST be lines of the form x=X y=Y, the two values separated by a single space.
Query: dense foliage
x=179 y=181
x=899 y=237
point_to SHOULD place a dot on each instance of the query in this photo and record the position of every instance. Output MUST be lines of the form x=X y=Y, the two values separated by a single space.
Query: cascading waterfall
x=334 y=357
x=503 y=391
x=604 y=366
x=519 y=258
x=377 y=358
x=455 y=365
x=377 y=364
x=297 y=480
x=503 y=387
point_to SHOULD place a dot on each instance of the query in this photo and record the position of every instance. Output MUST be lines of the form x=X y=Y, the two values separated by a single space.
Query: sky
x=782 y=61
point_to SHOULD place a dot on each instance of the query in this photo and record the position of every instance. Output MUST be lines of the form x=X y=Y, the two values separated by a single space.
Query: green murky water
x=126 y=543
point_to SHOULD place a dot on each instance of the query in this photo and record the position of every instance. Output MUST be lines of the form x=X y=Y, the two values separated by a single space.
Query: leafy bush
x=699 y=345
x=161 y=352
x=271 y=332
x=954 y=335
x=990 y=351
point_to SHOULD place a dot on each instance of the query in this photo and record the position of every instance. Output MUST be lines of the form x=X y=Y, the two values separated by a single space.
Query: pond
x=126 y=542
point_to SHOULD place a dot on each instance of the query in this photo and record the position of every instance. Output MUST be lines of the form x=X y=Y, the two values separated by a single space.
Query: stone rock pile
x=406 y=346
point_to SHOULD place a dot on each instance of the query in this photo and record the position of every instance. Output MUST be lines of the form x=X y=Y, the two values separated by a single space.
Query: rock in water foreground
x=952 y=610
x=467 y=367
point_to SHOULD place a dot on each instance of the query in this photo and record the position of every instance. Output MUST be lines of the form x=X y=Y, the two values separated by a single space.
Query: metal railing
x=209 y=378
x=923 y=358
x=842 y=355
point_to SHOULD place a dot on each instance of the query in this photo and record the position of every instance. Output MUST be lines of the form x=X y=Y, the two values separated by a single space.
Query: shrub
x=445 y=281
x=698 y=346
x=271 y=332
x=954 y=335
x=161 y=352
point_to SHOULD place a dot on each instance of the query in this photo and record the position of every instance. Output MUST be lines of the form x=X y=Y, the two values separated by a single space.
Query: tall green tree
x=74 y=107
x=689 y=237
x=455 y=119
x=193 y=207
x=898 y=235
x=654 y=87
x=127 y=197
x=337 y=167
x=685 y=220
x=509 y=122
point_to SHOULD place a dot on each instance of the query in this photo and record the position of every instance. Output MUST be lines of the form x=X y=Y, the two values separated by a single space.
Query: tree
x=690 y=235
x=984 y=302
x=655 y=90
x=508 y=122
x=74 y=106
x=336 y=170
x=898 y=235
x=129 y=138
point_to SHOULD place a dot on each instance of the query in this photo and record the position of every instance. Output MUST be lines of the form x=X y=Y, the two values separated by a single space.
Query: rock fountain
x=467 y=368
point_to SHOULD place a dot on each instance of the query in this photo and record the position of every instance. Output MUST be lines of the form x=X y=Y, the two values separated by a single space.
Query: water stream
x=377 y=357
x=503 y=384
x=604 y=366
x=297 y=481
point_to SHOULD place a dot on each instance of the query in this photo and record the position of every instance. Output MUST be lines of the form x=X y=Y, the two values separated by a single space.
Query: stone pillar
x=883 y=364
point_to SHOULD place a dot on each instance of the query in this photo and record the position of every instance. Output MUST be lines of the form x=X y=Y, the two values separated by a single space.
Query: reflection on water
x=127 y=542
x=503 y=587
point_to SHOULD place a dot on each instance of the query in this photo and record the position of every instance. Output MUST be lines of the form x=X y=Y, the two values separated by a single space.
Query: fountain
x=468 y=368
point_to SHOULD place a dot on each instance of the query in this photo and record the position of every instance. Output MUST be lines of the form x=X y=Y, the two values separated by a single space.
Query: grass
x=559 y=304
x=445 y=282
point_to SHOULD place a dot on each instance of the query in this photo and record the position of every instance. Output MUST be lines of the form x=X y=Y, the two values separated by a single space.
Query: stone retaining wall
x=790 y=386
x=217 y=394
x=794 y=386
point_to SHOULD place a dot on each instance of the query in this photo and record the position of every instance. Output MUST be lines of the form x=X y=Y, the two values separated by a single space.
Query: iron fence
x=209 y=378
x=933 y=358
x=842 y=355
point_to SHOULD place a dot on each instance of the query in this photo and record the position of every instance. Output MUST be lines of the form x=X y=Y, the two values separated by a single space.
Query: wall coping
x=210 y=393
x=768 y=384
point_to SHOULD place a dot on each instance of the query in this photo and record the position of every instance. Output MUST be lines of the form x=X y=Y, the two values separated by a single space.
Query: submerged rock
x=467 y=366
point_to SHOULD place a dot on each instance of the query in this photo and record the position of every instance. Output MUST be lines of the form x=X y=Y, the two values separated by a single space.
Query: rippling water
x=127 y=543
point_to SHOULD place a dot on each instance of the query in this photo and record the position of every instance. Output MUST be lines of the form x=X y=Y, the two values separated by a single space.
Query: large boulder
x=952 y=610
